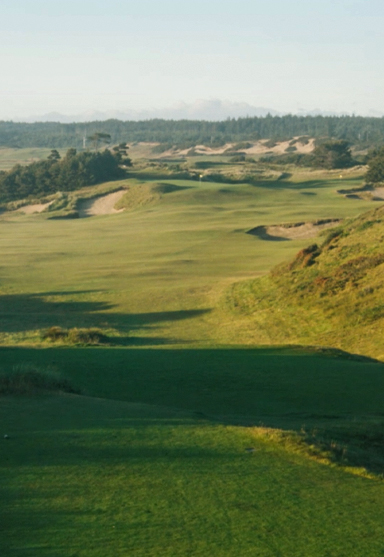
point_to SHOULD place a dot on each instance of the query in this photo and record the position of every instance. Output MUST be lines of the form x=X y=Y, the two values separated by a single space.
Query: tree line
x=72 y=172
x=357 y=130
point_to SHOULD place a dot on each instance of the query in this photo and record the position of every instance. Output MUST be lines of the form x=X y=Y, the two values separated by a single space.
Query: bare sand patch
x=261 y=147
x=104 y=205
x=367 y=192
x=379 y=192
x=296 y=231
x=198 y=149
x=257 y=148
x=36 y=208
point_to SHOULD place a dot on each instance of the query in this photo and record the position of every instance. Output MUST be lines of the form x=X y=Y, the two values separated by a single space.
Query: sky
x=287 y=55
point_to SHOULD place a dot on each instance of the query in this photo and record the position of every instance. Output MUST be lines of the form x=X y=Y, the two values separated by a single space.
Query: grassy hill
x=331 y=293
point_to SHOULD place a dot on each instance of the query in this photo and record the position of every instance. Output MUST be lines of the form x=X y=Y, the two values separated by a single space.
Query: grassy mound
x=148 y=193
x=331 y=293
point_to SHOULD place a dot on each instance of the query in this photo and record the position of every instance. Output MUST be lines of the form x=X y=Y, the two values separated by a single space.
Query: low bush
x=91 y=336
x=28 y=379
x=238 y=158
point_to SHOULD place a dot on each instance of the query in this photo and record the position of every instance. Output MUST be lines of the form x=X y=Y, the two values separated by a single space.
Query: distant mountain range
x=211 y=110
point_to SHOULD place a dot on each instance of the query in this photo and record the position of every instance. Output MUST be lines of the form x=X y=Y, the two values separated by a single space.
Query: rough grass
x=330 y=293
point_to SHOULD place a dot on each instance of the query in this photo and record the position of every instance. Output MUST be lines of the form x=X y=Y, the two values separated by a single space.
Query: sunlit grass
x=154 y=262
x=89 y=477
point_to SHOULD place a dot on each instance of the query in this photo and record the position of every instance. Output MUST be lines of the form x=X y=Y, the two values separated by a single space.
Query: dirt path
x=104 y=205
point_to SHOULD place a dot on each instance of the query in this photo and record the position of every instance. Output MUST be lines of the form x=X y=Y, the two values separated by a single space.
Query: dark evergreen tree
x=74 y=171
x=55 y=155
x=375 y=171
x=332 y=154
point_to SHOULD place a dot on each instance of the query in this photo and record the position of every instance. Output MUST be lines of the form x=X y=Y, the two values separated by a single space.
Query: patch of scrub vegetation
x=330 y=294
x=28 y=379
x=90 y=336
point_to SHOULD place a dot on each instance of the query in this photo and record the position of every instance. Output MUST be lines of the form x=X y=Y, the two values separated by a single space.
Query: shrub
x=91 y=336
x=270 y=143
x=27 y=379
x=237 y=158
x=306 y=257
x=332 y=154
x=333 y=236
x=86 y=336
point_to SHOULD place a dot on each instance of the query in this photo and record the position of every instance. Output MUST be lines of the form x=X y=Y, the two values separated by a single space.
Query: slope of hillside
x=330 y=294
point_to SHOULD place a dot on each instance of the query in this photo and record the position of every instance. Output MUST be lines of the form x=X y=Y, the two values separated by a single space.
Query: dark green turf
x=223 y=381
x=84 y=477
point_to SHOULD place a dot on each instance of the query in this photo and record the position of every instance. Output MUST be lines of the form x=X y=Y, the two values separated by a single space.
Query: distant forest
x=73 y=172
x=357 y=130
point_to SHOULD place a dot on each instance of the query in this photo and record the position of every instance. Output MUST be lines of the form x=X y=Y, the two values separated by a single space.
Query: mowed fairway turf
x=87 y=477
x=178 y=446
x=154 y=273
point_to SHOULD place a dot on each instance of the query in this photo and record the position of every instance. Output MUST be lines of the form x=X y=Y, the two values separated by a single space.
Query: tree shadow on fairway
x=334 y=403
x=286 y=185
x=21 y=313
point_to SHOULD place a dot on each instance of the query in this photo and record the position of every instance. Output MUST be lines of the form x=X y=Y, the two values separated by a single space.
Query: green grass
x=153 y=461
x=289 y=388
x=157 y=270
x=332 y=296
x=249 y=382
x=86 y=476
x=10 y=156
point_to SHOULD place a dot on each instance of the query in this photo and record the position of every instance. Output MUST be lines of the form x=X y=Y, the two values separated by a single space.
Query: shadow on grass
x=33 y=312
x=335 y=404
x=286 y=185
x=154 y=176
x=262 y=233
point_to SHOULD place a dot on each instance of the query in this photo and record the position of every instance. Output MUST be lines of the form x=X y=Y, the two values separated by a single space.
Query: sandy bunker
x=103 y=205
x=36 y=208
x=296 y=231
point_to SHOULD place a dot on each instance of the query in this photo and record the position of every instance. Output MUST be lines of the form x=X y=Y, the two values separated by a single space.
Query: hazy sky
x=80 y=55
